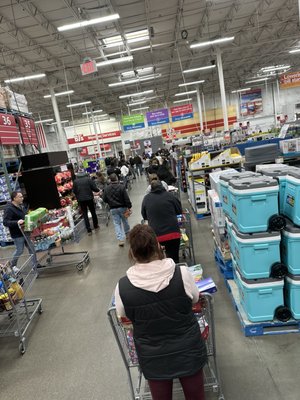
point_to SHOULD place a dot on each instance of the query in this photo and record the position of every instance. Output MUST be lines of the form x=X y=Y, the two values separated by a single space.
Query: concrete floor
x=72 y=354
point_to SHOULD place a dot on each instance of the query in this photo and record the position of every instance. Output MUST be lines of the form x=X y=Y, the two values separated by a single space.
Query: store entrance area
x=72 y=353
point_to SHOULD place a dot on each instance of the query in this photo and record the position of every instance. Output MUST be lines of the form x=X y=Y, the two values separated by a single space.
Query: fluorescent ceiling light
x=132 y=37
x=45 y=120
x=62 y=122
x=275 y=68
x=25 y=78
x=129 y=82
x=257 y=80
x=191 y=83
x=124 y=96
x=186 y=71
x=184 y=93
x=48 y=96
x=141 y=108
x=212 y=42
x=182 y=101
x=240 y=90
x=92 y=21
x=114 y=61
x=78 y=104
x=294 y=51
x=94 y=112
x=137 y=102
x=138 y=71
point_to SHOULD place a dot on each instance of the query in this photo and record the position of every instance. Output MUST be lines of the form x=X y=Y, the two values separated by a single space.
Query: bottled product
x=6 y=302
x=19 y=292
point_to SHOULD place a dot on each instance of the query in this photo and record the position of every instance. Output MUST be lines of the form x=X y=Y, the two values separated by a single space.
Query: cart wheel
x=22 y=346
x=278 y=271
x=80 y=266
x=40 y=310
x=283 y=314
x=277 y=223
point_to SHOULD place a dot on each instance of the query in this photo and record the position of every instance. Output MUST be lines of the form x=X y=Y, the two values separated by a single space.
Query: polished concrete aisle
x=72 y=354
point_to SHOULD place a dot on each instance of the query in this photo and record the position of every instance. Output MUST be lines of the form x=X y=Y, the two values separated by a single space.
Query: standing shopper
x=157 y=297
x=118 y=200
x=138 y=165
x=84 y=188
x=14 y=217
x=160 y=209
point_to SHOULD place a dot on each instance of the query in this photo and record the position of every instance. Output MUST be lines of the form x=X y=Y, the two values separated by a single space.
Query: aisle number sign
x=8 y=130
x=180 y=113
x=28 y=132
x=134 y=121
x=289 y=80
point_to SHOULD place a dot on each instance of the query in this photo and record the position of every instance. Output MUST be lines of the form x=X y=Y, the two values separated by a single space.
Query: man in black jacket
x=118 y=200
x=14 y=216
x=83 y=189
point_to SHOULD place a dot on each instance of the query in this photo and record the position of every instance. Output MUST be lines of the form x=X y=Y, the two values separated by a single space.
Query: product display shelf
x=274 y=327
x=224 y=265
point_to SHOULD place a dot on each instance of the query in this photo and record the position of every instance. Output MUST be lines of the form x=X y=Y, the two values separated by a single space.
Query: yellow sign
x=289 y=80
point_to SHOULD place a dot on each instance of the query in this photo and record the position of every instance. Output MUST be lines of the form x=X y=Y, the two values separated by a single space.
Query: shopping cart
x=139 y=388
x=17 y=313
x=102 y=210
x=186 y=245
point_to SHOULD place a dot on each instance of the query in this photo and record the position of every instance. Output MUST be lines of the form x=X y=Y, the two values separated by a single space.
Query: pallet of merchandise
x=249 y=328
x=225 y=266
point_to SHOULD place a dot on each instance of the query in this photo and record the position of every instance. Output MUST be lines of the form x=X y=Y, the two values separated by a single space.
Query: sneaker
x=89 y=233
x=121 y=243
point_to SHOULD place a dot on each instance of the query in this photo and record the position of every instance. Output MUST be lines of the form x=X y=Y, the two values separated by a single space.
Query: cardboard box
x=290 y=146
x=216 y=209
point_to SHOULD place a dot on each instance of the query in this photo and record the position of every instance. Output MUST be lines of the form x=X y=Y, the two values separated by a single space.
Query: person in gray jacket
x=84 y=188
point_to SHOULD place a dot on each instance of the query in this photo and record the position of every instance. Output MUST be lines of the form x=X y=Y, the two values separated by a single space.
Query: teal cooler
x=229 y=227
x=291 y=207
x=258 y=254
x=253 y=202
x=280 y=174
x=260 y=297
x=292 y=294
x=290 y=248
x=224 y=183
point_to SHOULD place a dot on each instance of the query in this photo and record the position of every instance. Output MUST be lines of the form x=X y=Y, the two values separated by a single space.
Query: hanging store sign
x=88 y=66
x=28 y=132
x=86 y=151
x=180 y=113
x=134 y=121
x=77 y=140
x=8 y=130
x=251 y=102
x=158 y=117
x=289 y=80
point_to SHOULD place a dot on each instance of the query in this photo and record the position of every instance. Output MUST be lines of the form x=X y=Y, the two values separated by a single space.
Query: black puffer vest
x=166 y=333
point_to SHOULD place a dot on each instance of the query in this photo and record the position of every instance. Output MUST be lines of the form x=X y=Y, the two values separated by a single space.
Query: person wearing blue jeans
x=116 y=196
x=14 y=216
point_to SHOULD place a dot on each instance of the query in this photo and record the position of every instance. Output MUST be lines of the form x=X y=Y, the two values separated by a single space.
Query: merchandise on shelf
x=64 y=186
x=4 y=231
x=197 y=193
x=228 y=156
x=216 y=209
x=200 y=160
x=16 y=101
x=291 y=203
x=289 y=146
x=4 y=192
x=214 y=178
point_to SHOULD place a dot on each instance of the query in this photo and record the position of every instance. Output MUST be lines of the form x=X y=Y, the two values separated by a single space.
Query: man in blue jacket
x=14 y=216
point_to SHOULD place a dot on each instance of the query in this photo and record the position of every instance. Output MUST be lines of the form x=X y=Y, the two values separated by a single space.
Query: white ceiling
x=264 y=31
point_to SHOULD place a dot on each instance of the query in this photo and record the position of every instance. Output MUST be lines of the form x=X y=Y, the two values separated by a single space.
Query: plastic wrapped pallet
x=16 y=101
x=3 y=98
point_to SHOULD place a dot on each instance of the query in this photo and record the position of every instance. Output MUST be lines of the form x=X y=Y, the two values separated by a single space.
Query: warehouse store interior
x=196 y=102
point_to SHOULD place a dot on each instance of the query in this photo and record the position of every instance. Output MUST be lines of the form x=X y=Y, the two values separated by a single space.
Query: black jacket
x=161 y=208
x=12 y=215
x=84 y=187
x=166 y=333
x=165 y=175
x=113 y=170
x=116 y=196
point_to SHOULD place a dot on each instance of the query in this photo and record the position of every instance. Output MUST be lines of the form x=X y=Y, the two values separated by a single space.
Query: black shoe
x=90 y=233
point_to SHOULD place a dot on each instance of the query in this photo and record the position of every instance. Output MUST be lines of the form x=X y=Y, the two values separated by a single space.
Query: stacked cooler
x=253 y=221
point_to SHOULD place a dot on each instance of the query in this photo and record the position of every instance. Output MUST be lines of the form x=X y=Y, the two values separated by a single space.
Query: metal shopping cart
x=16 y=310
x=187 y=253
x=102 y=210
x=139 y=388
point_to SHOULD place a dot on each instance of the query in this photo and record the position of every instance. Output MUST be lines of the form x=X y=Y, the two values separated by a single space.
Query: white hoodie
x=154 y=277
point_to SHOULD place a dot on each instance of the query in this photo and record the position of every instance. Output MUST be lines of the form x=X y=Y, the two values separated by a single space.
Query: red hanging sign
x=88 y=67
x=27 y=129
x=8 y=130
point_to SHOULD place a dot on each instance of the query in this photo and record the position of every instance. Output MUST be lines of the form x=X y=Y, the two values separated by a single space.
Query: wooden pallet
x=259 y=328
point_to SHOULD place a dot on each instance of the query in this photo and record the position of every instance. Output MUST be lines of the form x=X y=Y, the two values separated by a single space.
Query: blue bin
x=253 y=202
x=291 y=207
x=224 y=183
x=290 y=248
x=260 y=297
x=292 y=294
x=256 y=253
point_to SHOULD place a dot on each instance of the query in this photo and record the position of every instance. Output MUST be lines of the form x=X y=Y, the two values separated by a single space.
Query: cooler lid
x=290 y=227
x=257 y=235
x=276 y=171
x=295 y=173
x=237 y=175
x=259 y=281
x=253 y=182
x=293 y=277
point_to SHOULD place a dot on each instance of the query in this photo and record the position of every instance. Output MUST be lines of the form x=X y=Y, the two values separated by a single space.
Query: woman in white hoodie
x=157 y=296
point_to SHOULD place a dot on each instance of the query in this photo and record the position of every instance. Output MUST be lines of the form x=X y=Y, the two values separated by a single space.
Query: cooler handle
x=260 y=197
x=265 y=291
x=261 y=247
